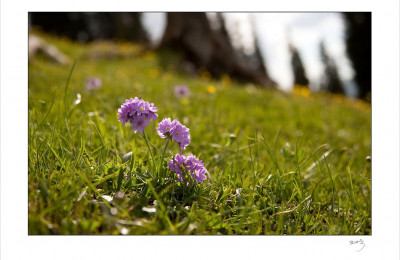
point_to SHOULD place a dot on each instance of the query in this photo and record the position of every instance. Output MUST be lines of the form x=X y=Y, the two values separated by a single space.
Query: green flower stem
x=151 y=152
x=163 y=154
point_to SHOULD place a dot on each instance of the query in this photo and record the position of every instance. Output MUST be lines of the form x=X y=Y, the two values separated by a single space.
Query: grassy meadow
x=278 y=163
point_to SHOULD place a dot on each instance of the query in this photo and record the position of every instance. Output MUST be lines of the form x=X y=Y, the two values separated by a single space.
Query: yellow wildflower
x=301 y=90
x=153 y=73
x=211 y=89
x=226 y=80
x=149 y=55
x=204 y=74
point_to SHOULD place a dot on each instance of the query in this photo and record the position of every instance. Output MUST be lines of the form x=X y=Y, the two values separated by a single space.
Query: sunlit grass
x=278 y=163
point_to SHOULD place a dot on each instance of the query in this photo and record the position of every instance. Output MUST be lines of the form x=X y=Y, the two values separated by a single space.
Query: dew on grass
x=238 y=195
x=150 y=210
x=83 y=193
x=113 y=211
x=107 y=198
x=95 y=113
x=78 y=99
x=124 y=231
x=191 y=227
x=126 y=157
x=119 y=196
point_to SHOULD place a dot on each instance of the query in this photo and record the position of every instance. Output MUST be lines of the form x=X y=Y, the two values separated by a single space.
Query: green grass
x=278 y=163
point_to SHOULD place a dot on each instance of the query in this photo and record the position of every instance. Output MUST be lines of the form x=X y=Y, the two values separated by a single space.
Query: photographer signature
x=357 y=242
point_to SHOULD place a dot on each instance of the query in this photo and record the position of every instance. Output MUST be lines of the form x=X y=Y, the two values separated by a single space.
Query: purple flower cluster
x=174 y=130
x=181 y=91
x=138 y=113
x=93 y=83
x=188 y=167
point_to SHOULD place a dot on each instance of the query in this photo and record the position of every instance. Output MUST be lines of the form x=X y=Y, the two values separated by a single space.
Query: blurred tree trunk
x=359 y=49
x=298 y=67
x=191 y=34
x=87 y=27
x=331 y=81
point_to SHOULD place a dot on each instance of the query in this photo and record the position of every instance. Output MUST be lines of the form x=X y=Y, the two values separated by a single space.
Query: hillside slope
x=278 y=163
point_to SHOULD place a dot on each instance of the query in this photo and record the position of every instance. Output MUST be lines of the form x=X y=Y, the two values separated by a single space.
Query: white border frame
x=15 y=242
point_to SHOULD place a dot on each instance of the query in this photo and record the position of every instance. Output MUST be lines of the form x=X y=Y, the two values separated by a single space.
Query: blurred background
x=319 y=51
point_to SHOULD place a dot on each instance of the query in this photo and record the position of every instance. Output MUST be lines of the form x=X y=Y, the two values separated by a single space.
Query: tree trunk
x=359 y=49
x=331 y=81
x=87 y=27
x=298 y=67
x=191 y=34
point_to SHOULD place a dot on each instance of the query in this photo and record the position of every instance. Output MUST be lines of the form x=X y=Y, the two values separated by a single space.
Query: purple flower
x=187 y=168
x=174 y=130
x=93 y=83
x=138 y=113
x=165 y=126
x=180 y=134
x=140 y=122
x=181 y=91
